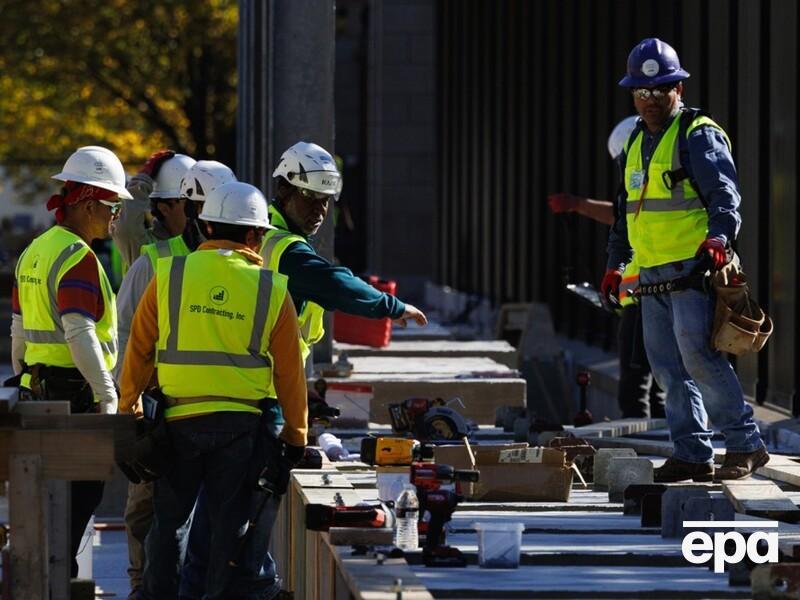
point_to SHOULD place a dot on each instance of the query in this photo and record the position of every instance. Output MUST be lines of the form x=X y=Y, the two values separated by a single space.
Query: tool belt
x=43 y=382
x=740 y=324
x=693 y=281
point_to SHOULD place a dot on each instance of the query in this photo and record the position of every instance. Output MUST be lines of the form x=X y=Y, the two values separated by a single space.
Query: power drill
x=392 y=451
x=321 y=517
x=436 y=508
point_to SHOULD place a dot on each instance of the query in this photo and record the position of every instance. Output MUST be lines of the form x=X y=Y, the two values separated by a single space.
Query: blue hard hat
x=652 y=63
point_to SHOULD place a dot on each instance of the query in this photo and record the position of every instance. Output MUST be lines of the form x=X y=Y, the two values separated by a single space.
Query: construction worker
x=64 y=321
x=221 y=331
x=199 y=180
x=306 y=180
x=678 y=215
x=638 y=395
x=155 y=187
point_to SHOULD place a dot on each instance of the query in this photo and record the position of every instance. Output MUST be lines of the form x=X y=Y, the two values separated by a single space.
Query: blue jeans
x=194 y=571
x=699 y=381
x=219 y=461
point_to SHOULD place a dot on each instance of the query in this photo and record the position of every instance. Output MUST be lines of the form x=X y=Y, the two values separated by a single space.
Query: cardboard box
x=547 y=480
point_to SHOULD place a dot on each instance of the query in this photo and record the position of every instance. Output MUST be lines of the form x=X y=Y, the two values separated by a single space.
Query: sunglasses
x=311 y=195
x=659 y=92
x=112 y=206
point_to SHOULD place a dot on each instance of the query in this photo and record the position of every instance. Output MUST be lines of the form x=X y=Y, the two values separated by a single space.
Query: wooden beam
x=30 y=573
x=761 y=499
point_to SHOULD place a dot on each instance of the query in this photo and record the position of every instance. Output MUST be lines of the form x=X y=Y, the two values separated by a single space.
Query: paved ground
x=110 y=564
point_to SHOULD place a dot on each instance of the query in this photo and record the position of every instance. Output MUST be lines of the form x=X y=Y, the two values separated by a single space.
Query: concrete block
x=601 y=461
x=624 y=471
x=651 y=510
x=634 y=494
x=707 y=509
x=673 y=502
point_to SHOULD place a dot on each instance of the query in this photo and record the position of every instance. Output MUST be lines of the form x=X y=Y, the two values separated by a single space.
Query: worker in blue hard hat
x=679 y=214
x=638 y=395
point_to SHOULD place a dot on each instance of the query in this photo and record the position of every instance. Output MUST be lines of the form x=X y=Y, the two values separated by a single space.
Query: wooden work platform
x=584 y=548
x=482 y=384
x=498 y=350
x=42 y=448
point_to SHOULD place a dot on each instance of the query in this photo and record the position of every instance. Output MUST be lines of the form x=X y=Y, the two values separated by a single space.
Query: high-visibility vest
x=629 y=283
x=216 y=311
x=174 y=246
x=663 y=225
x=276 y=241
x=39 y=272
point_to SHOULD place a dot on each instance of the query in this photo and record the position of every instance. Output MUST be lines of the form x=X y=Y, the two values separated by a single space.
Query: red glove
x=153 y=164
x=714 y=249
x=609 y=288
x=563 y=202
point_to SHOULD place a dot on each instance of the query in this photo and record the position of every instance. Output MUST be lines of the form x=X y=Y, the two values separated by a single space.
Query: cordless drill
x=436 y=508
x=393 y=451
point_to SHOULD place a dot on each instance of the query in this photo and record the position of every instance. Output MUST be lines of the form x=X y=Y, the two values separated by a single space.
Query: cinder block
x=624 y=471
x=673 y=502
x=707 y=509
x=601 y=460
x=651 y=510
x=634 y=494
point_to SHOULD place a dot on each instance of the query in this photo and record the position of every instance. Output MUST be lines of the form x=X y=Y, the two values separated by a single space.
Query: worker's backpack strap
x=673 y=178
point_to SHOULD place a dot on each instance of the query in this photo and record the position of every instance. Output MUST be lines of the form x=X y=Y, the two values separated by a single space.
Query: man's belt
x=694 y=281
x=170 y=401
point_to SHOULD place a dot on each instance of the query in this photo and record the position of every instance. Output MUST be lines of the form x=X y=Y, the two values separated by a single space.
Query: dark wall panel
x=528 y=96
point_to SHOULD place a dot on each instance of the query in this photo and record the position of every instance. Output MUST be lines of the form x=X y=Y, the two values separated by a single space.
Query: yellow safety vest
x=276 y=241
x=216 y=311
x=630 y=281
x=39 y=272
x=663 y=225
x=174 y=246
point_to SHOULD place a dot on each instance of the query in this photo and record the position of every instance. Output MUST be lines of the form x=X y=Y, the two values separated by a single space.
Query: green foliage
x=132 y=75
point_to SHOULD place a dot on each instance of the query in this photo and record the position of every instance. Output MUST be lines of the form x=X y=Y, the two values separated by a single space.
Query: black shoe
x=741 y=464
x=679 y=470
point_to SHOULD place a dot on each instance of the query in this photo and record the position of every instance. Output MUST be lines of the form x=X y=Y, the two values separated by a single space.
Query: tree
x=134 y=76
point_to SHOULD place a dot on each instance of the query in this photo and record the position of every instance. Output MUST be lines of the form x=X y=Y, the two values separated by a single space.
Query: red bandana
x=75 y=193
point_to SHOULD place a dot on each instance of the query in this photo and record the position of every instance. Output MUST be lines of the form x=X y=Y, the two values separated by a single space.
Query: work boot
x=741 y=464
x=679 y=470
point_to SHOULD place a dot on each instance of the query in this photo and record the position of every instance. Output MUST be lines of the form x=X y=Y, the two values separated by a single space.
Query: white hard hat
x=309 y=166
x=95 y=166
x=167 y=183
x=202 y=177
x=620 y=134
x=236 y=203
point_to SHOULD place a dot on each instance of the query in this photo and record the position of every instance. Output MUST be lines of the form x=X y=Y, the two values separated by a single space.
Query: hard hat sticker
x=650 y=67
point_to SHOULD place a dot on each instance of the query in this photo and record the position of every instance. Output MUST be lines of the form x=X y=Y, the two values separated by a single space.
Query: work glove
x=153 y=164
x=609 y=288
x=714 y=251
x=563 y=202
x=293 y=454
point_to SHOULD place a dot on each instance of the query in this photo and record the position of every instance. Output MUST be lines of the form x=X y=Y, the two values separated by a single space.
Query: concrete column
x=286 y=71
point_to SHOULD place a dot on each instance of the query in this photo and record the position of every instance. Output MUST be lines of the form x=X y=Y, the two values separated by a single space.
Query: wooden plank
x=498 y=350
x=412 y=365
x=58 y=498
x=367 y=580
x=71 y=455
x=366 y=536
x=42 y=408
x=29 y=565
x=761 y=499
x=784 y=473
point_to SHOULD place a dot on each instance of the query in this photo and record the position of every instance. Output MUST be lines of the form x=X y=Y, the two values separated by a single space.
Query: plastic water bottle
x=332 y=446
x=407 y=512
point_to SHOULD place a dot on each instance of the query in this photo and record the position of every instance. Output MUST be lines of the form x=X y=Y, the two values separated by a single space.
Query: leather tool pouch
x=740 y=324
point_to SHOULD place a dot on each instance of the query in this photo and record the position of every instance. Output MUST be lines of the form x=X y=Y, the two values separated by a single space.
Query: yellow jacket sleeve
x=289 y=375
